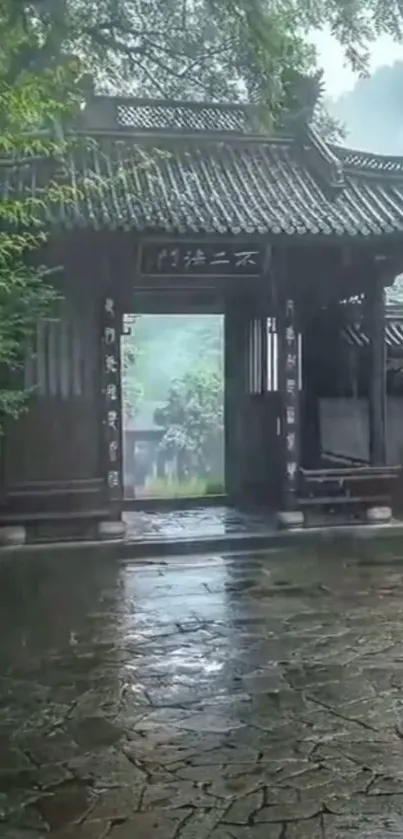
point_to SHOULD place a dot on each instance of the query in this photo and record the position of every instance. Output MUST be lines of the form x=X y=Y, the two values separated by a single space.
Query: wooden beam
x=234 y=384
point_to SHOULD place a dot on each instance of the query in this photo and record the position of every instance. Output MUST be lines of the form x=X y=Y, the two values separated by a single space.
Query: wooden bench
x=348 y=488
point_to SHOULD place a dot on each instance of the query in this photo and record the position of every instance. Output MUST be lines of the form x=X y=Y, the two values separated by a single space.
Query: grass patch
x=190 y=488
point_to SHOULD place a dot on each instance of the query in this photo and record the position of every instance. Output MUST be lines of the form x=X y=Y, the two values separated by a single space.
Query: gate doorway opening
x=173 y=406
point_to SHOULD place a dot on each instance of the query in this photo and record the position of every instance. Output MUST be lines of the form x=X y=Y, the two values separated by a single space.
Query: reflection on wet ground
x=258 y=697
x=217 y=523
x=196 y=522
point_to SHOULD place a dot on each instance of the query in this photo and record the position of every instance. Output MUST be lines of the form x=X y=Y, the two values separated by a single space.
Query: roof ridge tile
x=230 y=188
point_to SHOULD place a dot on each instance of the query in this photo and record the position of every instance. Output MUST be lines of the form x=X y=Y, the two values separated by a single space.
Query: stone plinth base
x=111 y=530
x=379 y=515
x=12 y=536
x=288 y=519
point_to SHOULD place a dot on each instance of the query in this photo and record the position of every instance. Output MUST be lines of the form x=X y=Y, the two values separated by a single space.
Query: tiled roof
x=217 y=174
x=250 y=187
x=365 y=162
x=356 y=337
x=151 y=115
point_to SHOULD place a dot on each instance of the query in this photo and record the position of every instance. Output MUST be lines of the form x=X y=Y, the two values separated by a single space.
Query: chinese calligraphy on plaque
x=200 y=260
x=290 y=350
x=111 y=375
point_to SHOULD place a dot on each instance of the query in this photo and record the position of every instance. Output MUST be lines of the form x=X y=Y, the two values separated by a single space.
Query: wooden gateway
x=191 y=208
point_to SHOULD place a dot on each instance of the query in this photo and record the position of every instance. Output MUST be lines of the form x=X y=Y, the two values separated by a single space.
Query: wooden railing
x=351 y=488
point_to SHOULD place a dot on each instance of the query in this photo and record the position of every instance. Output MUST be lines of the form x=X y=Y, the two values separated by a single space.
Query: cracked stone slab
x=179 y=751
x=385 y=786
x=276 y=690
x=161 y=824
x=310 y=829
x=18 y=810
x=89 y=830
x=12 y=759
x=95 y=732
x=21 y=834
x=175 y=796
x=367 y=805
x=291 y=812
x=257 y=831
x=115 y=804
x=53 y=775
x=57 y=747
x=388 y=827
x=65 y=806
x=107 y=768
x=243 y=810
x=201 y=824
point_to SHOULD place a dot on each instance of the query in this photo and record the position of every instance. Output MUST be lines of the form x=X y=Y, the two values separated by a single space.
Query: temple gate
x=194 y=208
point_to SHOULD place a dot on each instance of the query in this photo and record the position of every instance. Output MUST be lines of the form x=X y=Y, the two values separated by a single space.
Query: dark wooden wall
x=62 y=376
x=253 y=453
x=52 y=454
x=52 y=457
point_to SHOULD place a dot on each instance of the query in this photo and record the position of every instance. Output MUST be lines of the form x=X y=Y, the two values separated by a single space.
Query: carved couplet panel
x=290 y=401
x=377 y=375
x=112 y=406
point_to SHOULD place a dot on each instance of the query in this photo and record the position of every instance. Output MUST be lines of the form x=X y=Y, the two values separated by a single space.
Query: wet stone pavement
x=196 y=522
x=258 y=697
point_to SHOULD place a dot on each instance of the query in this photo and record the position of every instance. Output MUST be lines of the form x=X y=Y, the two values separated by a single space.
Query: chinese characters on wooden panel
x=111 y=376
x=291 y=395
x=200 y=260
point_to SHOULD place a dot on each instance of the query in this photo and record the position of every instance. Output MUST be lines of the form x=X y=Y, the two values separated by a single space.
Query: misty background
x=372 y=112
x=173 y=396
x=372 y=118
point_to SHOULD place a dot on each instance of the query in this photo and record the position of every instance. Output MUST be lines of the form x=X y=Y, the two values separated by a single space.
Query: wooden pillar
x=377 y=373
x=234 y=386
x=289 y=411
x=112 y=406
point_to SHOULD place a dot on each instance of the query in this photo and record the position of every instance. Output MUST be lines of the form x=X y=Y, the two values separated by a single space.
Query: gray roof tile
x=253 y=187
x=236 y=183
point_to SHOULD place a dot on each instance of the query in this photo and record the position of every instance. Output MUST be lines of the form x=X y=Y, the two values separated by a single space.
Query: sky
x=337 y=77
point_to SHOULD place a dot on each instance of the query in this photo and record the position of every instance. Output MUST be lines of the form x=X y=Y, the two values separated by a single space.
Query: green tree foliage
x=198 y=48
x=34 y=99
x=222 y=49
x=132 y=387
x=193 y=419
x=161 y=348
